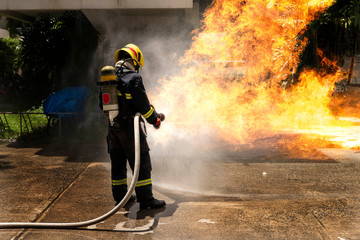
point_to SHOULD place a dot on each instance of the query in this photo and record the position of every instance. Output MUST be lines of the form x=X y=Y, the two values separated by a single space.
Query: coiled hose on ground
x=106 y=215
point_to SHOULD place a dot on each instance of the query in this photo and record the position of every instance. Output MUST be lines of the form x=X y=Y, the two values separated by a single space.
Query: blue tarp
x=68 y=100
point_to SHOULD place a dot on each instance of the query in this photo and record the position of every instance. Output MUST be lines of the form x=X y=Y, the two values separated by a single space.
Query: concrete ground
x=248 y=193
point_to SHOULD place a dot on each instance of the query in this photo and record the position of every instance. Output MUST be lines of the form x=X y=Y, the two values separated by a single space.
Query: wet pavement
x=249 y=193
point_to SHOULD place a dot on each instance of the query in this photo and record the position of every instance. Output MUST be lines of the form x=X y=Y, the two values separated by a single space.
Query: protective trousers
x=122 y=149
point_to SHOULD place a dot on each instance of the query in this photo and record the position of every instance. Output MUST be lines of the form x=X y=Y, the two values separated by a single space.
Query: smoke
x=163 y=38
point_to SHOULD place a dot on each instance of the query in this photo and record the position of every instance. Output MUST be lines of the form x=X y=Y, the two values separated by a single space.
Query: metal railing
x=25 y=122
x=26 y=125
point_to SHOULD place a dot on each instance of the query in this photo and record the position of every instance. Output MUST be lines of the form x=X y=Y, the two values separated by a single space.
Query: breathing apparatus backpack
x=113 y=96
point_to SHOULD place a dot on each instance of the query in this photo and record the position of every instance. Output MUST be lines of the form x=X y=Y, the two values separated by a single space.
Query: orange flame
x=232 y=75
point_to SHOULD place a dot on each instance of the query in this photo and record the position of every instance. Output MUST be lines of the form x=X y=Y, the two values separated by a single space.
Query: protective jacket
x=132 y=97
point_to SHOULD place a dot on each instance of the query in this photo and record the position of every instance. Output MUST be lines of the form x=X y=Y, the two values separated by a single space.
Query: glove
x=158 y=123
x=160 y=116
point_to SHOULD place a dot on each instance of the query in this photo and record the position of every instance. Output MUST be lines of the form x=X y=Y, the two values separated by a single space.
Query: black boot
x=131 y=200
x=152 y=204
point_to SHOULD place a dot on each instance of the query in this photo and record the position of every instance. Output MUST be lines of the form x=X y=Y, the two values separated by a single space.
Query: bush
x=9 y=74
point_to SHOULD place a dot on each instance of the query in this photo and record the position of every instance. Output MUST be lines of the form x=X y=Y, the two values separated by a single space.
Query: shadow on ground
x=74 y=151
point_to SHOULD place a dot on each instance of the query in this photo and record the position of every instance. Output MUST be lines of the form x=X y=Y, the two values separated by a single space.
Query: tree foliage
x=352 y=11
x=9 y=62
x=55 y=52
x=335 y=32
x=9 y=51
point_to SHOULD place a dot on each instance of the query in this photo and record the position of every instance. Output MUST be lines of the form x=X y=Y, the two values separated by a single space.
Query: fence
x=20 y=123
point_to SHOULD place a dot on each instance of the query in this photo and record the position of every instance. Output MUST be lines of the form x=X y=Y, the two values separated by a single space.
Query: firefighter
x=132 y=98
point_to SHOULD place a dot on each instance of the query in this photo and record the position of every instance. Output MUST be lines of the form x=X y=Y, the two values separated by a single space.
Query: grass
x=33 y=127
x=15 y=125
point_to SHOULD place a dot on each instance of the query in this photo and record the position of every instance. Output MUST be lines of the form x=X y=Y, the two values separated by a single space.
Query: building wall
x=3 y=31
x=18 y=5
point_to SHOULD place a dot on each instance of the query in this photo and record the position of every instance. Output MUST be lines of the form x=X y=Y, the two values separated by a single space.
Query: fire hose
x=106 y=215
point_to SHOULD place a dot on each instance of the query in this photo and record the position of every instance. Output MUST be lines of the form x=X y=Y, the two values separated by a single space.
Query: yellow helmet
x=134 y=52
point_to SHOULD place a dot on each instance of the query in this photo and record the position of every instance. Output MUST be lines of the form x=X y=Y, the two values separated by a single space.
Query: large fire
x=236 y=75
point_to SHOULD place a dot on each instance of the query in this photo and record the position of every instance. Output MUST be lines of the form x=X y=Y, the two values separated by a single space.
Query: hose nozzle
x=162 y=117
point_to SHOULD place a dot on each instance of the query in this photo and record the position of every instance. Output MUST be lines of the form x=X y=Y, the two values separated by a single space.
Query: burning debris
x=236 y=78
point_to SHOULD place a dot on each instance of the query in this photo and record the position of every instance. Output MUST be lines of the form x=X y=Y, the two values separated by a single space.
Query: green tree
x=9 y=52
x=56 y=52
x=332 y=32
x=352 y=15
x=9 y=62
